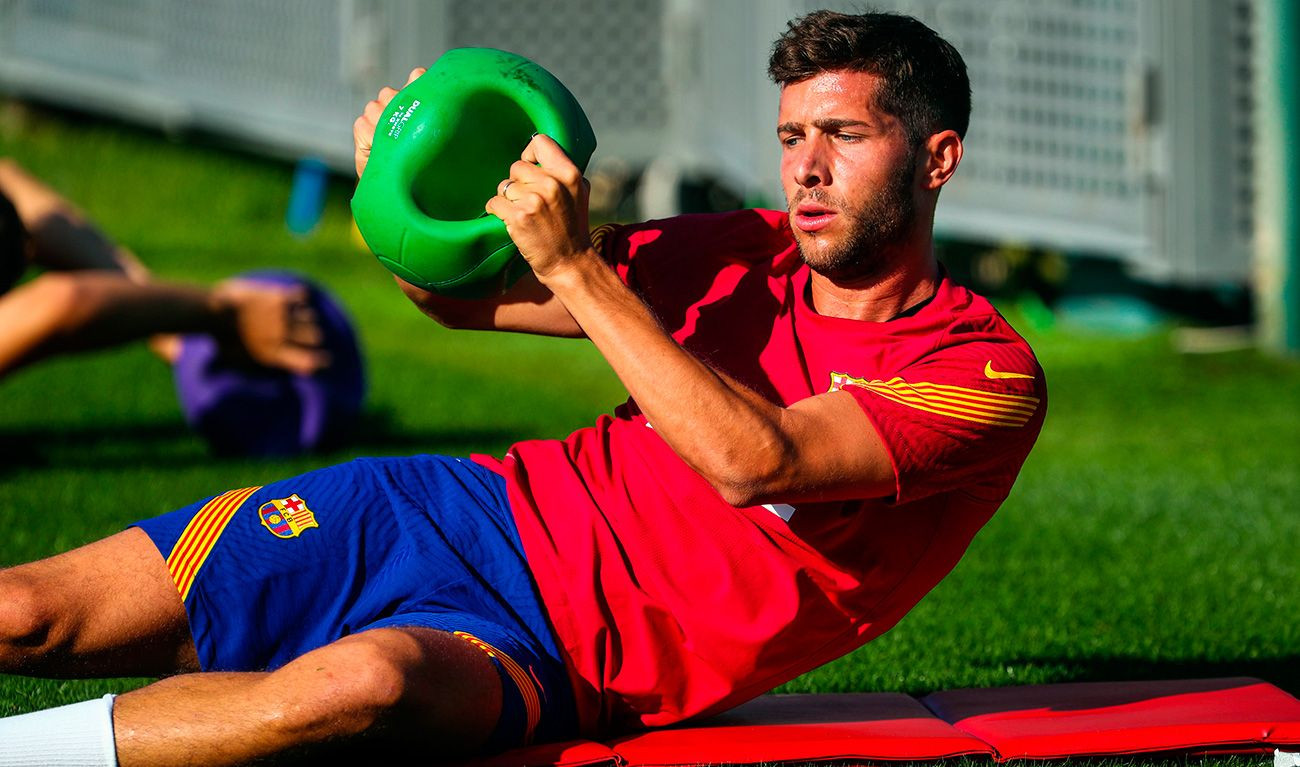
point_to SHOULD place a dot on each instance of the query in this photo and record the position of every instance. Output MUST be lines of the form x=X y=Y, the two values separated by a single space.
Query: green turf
x=1152 y=533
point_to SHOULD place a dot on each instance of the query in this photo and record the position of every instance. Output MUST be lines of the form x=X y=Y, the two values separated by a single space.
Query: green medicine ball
x=440 y=149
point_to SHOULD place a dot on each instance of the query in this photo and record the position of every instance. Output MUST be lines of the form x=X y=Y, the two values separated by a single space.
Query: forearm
x=528 y=307
x=731 y=435
x=58 y=313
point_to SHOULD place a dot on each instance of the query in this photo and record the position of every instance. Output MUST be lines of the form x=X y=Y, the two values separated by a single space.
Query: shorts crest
x=286 y=517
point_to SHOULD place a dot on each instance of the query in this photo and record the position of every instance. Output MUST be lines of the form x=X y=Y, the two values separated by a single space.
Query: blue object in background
x=307 y=198
x=1110 y=314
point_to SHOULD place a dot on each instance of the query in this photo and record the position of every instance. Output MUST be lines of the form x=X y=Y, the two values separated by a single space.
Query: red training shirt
x=667 y=601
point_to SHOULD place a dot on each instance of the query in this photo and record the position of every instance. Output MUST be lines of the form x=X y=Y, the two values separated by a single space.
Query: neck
x=911 y=277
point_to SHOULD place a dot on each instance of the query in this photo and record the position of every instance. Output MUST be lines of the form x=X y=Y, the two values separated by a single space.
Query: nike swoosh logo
x=989 y=372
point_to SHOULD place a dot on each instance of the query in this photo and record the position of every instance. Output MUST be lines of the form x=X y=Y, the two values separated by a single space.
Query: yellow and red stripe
x=522 y=679
x=201 y=534
x=599 y=235
x=977 y=405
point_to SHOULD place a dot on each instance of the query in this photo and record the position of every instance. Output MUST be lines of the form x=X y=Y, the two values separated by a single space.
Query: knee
x=27 y=625
x=345 y=700
x=388 y=688
x=375 y=688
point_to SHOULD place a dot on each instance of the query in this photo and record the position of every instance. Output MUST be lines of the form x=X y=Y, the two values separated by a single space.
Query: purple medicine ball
x=264 y=412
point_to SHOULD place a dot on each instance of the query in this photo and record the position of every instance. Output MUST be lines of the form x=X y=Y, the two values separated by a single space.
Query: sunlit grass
x=1152 y=533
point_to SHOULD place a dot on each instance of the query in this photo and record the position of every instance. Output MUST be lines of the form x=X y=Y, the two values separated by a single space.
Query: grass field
x=1152 y=533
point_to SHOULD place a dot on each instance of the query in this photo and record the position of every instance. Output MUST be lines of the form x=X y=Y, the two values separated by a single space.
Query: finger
x=532 y=181
x=309 y=335
x=369 y=117
x=300 y=310
x=522 y=172
x=386 y=95
x=304 y=326
x=364 y=127
x=497 y=206
x=374 y=110
x=415 y=74
x=298 y=306
x=295 y=299
x=544 y=151
x=511 y=210
x=503 y=186
x=302 y=361
x=362 y=132
x=528 y=173
x=166 y=346
x=529 y=155
x=239 y=286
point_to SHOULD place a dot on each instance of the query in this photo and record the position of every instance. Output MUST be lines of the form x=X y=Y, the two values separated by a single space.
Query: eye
x=791 y=141
x=849 y=138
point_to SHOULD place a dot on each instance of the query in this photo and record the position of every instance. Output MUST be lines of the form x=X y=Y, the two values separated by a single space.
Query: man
x=820 y=421
x=94 y=293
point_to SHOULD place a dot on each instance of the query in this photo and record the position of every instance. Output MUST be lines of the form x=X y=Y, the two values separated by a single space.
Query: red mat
x=1239 y=715
x=1101 y=718
x=803 y=728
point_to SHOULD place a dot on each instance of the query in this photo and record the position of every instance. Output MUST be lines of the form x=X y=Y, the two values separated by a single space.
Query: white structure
x=1112 y=127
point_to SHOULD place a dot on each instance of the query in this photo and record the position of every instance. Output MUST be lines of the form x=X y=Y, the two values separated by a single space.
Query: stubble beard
x=874 y=229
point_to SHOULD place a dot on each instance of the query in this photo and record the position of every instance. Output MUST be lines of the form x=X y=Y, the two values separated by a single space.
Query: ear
x=942 y=154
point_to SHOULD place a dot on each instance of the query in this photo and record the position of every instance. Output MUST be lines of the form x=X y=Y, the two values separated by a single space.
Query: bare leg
x=109 y=608
x=405 y=687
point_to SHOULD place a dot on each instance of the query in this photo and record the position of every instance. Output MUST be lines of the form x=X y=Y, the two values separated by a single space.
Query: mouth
x=810 y=217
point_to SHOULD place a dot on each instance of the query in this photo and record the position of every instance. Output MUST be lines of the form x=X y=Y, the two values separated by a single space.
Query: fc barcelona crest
x=286 y=517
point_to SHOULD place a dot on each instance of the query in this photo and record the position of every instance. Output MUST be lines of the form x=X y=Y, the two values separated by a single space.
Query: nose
x=809 y=166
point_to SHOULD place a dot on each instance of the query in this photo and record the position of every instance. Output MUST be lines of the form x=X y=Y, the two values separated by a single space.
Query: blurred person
x=820 y=421
x=94 y=293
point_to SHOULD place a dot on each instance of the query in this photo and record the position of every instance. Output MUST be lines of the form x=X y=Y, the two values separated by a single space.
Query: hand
x=270 y=325
x=363 y=129
x=544 y=204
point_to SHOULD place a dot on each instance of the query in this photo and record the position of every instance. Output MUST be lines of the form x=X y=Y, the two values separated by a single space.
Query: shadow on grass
x=1282 y=671
x=379 y=429
x=172 y=444
x=86 y=446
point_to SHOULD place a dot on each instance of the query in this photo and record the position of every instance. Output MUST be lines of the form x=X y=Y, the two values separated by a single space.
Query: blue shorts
x=268 y=574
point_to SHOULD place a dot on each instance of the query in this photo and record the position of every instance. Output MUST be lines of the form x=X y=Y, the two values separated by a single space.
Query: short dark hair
x=924 y=82
x=13 y=245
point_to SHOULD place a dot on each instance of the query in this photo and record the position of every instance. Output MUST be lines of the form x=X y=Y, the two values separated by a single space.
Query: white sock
x=79 y=735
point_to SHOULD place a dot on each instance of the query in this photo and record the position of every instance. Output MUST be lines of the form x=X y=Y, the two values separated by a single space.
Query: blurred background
x=1128 y=198
x=1118 y=159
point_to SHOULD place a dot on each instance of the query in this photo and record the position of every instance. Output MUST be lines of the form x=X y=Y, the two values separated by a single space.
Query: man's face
x=848 y=171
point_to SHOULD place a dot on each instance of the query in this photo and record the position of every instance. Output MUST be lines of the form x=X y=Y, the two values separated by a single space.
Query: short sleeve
x=657 y=256
x=604 y=239
x=680 y=264
x=962 y=418
x=619 y=246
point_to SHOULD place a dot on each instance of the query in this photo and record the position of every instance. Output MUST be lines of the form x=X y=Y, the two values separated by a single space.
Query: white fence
x=1119 y=127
